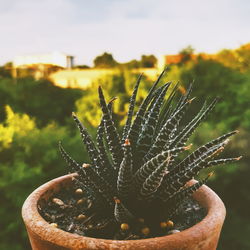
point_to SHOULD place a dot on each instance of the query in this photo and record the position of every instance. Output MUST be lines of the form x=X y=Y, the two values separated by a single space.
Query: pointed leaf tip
x=220 y=150
x=100 y=90
x=127 y=142
x=165 y=69
x=113 y=99
x=190 y=101
x=218 y=98
x=188 y=147
x=117 y=201
x=210 y=174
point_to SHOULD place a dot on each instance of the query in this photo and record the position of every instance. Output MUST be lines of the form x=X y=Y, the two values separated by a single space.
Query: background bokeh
x=35 y=115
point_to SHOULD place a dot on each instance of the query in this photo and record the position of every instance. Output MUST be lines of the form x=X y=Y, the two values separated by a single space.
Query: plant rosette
x=135 y=184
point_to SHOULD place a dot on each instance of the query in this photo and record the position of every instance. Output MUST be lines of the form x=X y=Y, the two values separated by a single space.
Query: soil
x=74 y=214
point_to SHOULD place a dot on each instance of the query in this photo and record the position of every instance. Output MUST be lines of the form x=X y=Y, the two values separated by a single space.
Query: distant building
x=58 y=68
x=78 y=78
x=55 y=59
x=165 y=60
x=40 y=66
x=83 y=78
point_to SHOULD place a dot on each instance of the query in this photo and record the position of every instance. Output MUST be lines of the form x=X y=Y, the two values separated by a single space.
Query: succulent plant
x=135 y=179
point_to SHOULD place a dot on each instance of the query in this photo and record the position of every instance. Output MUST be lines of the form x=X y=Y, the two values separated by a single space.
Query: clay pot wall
x=203 y=236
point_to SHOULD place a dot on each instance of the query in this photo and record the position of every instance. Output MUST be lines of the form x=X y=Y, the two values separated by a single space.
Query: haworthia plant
x=135 y=176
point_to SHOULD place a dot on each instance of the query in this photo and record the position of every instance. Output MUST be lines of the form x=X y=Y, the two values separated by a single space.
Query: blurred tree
x=214 y=80
x=186 y=54
x=5 y=71
x=238 y=59
x=82 y=67
x=228 y=58
x=133 y=64
x=105 y=60
x=15 y=123
x=243 y=55
x=148 y=61
x=29 y=157
x=38 y=98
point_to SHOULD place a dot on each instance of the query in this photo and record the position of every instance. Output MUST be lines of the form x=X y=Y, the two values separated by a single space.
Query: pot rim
x=35 y=223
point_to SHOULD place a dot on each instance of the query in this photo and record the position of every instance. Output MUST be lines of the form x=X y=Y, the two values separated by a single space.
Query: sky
x=125 y=28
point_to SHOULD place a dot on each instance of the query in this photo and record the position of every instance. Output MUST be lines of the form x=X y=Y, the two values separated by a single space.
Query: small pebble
x=81 y=217
x=81 y=201
x=145 y=231
x=58 y=201
x=173 y=231
x=79 y=191
x=53 y=224
x=124 y=226
x=163 y=225
x=169 y=224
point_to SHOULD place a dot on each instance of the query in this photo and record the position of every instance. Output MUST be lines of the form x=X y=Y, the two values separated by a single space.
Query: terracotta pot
x=203 y=235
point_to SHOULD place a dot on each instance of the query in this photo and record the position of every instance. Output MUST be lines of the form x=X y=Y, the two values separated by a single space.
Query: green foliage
x=29 y=157
x=186 y=54
x=133 y=64
x=37 y=99
x=238 y=59
x=148 y=61
x=105 y=60
x=28 y=154
x=232 y=88
x=5 y=71
x=81 y=66
x=14 y=124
